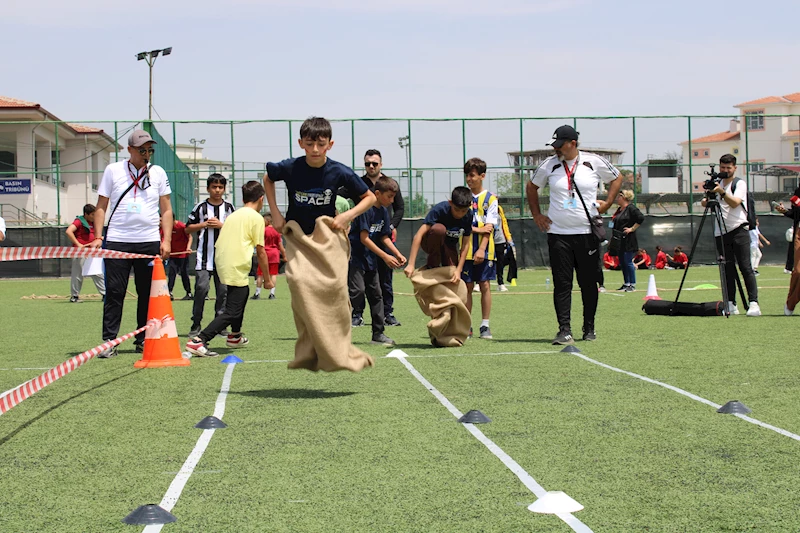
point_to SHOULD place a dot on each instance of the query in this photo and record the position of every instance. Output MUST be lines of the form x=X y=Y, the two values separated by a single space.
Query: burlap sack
x=316 y=271
x=445 y=303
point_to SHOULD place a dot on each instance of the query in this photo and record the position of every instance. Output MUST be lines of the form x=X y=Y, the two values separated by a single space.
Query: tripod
x=712 y=204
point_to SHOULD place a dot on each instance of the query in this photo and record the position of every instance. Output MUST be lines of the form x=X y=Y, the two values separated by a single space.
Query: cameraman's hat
x=561 y=135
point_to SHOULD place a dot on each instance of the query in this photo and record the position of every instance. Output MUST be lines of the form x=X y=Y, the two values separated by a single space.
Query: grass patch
x=375 y=451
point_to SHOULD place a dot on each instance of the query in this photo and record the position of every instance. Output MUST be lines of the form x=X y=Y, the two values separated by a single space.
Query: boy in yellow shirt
x=243 y=231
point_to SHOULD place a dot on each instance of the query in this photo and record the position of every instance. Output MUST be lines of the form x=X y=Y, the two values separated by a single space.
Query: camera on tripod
x=715 y=178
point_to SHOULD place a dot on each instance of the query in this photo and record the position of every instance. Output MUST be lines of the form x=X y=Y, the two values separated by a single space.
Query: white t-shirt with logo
x=732 y=216
x=137 y=216
x=2 y=226
x=566 y=210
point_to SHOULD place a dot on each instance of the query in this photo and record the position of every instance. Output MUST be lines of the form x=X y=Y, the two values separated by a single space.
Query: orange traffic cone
x=652 y=293
x=161 y=345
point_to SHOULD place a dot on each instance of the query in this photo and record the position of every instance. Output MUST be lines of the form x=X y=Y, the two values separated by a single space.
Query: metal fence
x=662 y=157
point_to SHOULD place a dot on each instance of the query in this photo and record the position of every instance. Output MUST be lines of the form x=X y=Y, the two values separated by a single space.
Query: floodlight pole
x=150 y=57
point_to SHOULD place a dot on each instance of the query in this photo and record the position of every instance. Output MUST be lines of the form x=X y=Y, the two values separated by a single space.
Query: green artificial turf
x=376 y=451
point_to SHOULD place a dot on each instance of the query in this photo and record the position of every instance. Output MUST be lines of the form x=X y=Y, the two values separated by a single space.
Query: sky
x=290 y=59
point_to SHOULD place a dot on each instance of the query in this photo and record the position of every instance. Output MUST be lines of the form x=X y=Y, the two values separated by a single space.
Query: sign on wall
x=14 y=186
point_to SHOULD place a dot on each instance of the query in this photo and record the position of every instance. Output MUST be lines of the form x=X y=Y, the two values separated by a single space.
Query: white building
x=48 y=172
x=767 y=147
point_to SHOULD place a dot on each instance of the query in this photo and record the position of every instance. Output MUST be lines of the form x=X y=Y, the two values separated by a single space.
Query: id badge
x=135 y=207
x=570 y=203
x=611 y=224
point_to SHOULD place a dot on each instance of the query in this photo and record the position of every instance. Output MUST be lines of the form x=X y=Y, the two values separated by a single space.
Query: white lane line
x=31 y=368
x=510 y=463
x=176 y=487
x=477 y=354
x=690 y=395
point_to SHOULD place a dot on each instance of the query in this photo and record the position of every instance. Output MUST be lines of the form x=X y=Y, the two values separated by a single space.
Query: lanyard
x=133 y=175
x=570 y=174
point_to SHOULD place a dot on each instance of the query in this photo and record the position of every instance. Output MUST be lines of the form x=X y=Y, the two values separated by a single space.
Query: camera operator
x=733 y=238
x=793 y=212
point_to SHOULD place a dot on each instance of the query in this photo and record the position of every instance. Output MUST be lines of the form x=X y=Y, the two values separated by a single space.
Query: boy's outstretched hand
x=408 y=270
x=392 y=262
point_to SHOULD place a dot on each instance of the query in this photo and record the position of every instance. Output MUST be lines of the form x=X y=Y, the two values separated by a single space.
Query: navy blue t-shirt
x=312 y=191
x=376 y=222
x=456 y=227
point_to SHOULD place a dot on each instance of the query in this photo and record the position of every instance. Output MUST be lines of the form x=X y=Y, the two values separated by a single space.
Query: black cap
x=561 y=135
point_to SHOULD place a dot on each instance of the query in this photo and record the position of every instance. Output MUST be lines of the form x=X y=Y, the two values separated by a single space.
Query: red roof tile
x=80 y=128
x=6 y=101
x=785 y=99
x=716 y=138
x=792 y=133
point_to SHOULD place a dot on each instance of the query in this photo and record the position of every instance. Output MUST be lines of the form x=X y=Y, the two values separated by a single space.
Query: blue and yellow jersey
x=484 y=209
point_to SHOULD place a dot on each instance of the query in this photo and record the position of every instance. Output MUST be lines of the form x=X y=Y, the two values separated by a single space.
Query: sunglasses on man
x=370 y=164
x=143 y=151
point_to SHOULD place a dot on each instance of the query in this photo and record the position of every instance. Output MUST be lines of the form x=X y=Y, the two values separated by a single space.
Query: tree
x=508 y=184
x=417 y=207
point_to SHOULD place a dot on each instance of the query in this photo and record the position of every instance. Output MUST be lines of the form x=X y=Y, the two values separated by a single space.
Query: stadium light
x=151 y=60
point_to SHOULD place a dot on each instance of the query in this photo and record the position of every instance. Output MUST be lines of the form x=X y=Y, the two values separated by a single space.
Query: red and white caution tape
x=27 y=389
x=64 y=252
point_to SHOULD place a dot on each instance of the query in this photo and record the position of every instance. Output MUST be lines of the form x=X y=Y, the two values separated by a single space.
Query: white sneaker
x=787 y=271
x=787 y=311
x=732 y=309
x=476 y=288
x=754 y=309
x=503 y=288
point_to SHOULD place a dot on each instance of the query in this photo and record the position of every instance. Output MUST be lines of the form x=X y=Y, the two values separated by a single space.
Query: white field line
x=690 y=395
x=432 y=355
x=510 y=463
x=176 y=487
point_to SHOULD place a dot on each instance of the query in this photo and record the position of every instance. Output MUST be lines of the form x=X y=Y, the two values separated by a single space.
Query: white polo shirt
x=733 y=216
x=566 y=210
x=137 y=216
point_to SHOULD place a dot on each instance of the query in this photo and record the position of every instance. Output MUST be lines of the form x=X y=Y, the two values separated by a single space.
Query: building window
x=756 y=167
x=705 y=153
x=755 y=120
x=789 y=184
x=8 y=166
x=797 y=151
x=212 y=169
x=701 y=153
x=696 y=153
x=735 y=151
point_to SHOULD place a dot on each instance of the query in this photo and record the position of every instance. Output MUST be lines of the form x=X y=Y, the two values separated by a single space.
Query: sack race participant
x=445 y=302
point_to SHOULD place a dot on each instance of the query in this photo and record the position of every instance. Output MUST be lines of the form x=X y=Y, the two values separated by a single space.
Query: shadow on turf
x=46 y=412
x=293 y=394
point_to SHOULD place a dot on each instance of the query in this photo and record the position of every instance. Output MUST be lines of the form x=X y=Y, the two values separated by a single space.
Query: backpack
x=750 y=209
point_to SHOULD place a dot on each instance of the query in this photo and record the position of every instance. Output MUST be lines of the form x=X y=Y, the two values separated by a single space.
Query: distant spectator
x=679 y=260
x=81 y=234
x=661 y=258
x=178 y=262
x=611 y=262
x=757 y=241
x=641 y=260
x=2 y=229
x=627 y=219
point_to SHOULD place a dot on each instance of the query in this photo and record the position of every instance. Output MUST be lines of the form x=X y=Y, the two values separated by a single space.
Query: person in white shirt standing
x=139 y=194
x=2 y=229
x=572 y=175
x=733 y=239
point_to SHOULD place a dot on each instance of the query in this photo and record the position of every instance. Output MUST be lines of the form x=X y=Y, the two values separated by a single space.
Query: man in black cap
x=573 y=177
x=137 y=191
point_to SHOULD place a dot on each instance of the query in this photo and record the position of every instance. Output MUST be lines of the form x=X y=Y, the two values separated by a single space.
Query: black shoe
x=589 y=335
x=485 y=332
x=357 y=321
x=564 y=337
x=271 y=296
x=75 y=300
x=470 y=333
x=255 y=297
x=623 y=288
x=138 y=346
x=188 y=296
x=380 y=338
x=171 y=297
x=195 y=331
x=390 y=320
x=630 y=288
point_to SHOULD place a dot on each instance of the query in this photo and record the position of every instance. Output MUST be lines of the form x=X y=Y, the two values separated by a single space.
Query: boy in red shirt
x=661 y=258
x=81 y=233
x=679 y=260
x=610 y=262
x=273 y=245
x=641 y=260
x=178 y=262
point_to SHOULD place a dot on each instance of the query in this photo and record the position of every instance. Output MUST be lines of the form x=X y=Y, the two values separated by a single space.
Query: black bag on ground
x=667 y=308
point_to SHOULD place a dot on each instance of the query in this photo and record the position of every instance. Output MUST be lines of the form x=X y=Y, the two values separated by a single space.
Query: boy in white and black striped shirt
x=207 y=218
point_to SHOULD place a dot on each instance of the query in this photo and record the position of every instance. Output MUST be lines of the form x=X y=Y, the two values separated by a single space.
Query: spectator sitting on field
x=679 y=260
x=641 y=260
x=611 y=262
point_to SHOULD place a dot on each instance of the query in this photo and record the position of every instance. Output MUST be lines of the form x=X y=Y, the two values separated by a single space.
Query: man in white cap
x=574 y=177
x=139 y=195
